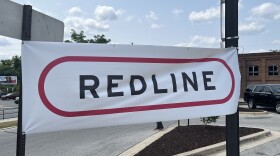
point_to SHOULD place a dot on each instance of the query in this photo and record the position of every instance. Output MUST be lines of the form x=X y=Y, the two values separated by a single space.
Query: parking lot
x=8 y=109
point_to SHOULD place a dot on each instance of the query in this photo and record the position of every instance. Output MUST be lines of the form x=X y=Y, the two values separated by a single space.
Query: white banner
x=75 y=86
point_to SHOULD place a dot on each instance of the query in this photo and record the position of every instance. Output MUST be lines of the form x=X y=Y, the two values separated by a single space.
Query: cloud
x=207 y=15
x=103 y=15
x=201 y=41
x=129 y=18
x=266 y=10
x=240 y=4
x=94 y=24
x=140 y=20
x=251 y=28
x=75 y=11
x=151 y=16
x=9 y=48
x=74 y=22
x=4 y=41
x=88 y=25
x=155 y=26
x=107 y=13
x=276 y=42
x=177 y=12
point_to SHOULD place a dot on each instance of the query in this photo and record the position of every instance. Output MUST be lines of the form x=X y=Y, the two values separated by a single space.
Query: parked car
x=267 y=95
x=10 y=96
x=248 y=92
x=3 y=93
x=16 y=100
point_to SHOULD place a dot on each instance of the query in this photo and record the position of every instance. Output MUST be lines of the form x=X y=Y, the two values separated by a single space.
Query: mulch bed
x=187 y=138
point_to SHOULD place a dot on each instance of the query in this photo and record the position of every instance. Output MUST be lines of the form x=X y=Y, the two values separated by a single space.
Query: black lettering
x=132 y=86
x=113 y=85
x=91 y=88
x=174 y=82
x=156 y=89
x=192 y=83
x=205 y=80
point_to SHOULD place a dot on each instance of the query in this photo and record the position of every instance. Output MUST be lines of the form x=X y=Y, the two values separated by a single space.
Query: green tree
x=81 y=38
x=275 y=50
x=10 y=67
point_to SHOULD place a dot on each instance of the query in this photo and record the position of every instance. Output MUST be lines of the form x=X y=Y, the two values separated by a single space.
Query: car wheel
x=277 y=108
x=251 y=104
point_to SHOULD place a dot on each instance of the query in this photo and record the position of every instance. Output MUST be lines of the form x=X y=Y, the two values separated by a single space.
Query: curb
x=254 y=113
x=143 y=144
x=8 y=120
x=211 y=149
x=242 y=103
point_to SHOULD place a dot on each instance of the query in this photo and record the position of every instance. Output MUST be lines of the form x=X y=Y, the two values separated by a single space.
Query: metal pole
x=179 y=127
x=231 y=40
x=26 y=36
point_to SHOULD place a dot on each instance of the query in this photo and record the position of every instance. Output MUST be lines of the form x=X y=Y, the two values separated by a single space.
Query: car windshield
x=276 y=88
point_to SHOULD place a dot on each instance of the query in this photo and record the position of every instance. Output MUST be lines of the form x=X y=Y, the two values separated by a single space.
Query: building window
x=273 y=70
x=253 y=70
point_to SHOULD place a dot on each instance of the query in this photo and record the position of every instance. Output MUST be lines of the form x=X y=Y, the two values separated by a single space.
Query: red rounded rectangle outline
x=52 y=108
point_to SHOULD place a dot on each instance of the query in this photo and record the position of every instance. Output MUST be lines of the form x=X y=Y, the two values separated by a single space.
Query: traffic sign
x=43 y=27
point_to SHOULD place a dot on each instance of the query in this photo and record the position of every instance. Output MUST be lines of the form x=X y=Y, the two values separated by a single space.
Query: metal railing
x=6 y=113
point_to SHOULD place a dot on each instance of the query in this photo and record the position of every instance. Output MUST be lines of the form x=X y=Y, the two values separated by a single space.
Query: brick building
x=258 y=68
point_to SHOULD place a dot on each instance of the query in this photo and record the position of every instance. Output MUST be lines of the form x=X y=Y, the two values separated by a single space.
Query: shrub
x=209 y=120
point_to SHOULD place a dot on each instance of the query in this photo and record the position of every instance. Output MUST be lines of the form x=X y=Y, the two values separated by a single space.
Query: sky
x=189 y=23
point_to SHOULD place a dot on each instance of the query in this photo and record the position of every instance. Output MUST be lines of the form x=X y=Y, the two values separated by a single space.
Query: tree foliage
x=81 y=38
x=275 y=50
x=10 y=67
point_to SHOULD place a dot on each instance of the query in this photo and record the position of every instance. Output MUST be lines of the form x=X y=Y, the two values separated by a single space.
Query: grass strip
x=8 y=124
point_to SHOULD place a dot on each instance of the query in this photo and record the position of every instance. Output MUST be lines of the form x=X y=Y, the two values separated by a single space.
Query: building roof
x=256 y=55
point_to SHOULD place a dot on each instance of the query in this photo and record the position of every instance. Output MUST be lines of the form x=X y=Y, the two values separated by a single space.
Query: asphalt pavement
x=112 y=141
x=8 y=104
x=107 y=141
x=8 y=109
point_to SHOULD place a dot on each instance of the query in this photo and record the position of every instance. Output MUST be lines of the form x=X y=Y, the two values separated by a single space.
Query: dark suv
x=263 y=95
